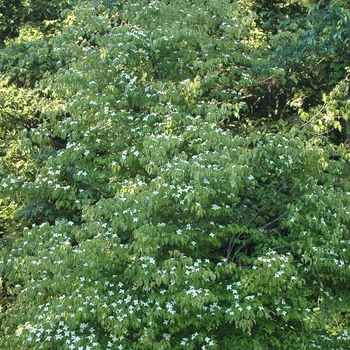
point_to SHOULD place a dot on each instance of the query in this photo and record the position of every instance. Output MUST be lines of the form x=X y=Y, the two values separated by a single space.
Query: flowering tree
x=155 y=217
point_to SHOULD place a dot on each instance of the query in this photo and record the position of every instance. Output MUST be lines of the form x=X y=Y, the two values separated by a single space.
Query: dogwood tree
x=153 y=216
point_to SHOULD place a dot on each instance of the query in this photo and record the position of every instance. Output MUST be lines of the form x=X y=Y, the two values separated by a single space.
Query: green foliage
x=79 y=150
x=149 y=213
x=314 y=51
x=15 y=14
x=321 y=39
x=332 y=117
x=214 y=246
x=25 y=59
x=18 y=113
x=272 y=13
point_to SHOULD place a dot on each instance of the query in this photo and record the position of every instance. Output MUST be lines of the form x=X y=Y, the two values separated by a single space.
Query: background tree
x=18 y=13
x=310 y=47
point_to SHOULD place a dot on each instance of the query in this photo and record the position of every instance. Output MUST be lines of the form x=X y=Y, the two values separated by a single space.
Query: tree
x=152 y=215
x=313 y=51
x=272 y=13
x=15 y=14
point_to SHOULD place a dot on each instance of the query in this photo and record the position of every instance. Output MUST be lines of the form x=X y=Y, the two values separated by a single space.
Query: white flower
x=250 y=177
x=166 y=336
x=184 y=341
x=215 y=207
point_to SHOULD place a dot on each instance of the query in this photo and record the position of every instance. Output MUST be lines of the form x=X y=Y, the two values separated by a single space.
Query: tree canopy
x=174 y=175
